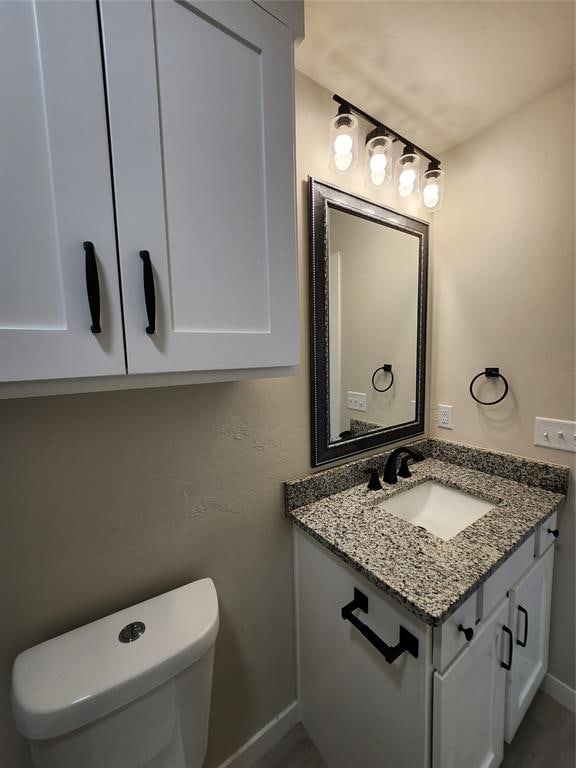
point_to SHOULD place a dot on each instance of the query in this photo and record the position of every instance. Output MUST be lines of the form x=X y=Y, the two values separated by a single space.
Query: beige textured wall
x=110 y=498
x=503 y=294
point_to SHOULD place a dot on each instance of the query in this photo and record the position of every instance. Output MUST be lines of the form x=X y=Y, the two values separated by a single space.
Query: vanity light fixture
x=343 y=140
x=411 y=180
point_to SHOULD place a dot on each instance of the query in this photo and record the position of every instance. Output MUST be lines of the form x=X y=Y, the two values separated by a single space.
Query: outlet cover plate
x=445 y=416
x=555 y=433
x=356 y=401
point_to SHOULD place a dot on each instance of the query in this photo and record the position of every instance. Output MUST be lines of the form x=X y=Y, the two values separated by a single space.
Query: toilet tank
x=131 y=690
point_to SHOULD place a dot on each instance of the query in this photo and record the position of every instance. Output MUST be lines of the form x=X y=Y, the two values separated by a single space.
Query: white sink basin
x=441 y=510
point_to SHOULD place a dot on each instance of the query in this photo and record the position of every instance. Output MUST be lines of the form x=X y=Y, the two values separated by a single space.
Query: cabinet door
x=468 y=717
x=201 y=112
x=358 y=710
x=55 y=193
x=530 y=621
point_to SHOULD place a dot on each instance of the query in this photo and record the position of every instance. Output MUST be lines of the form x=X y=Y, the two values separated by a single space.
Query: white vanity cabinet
x=452 y=705
x=162 y=132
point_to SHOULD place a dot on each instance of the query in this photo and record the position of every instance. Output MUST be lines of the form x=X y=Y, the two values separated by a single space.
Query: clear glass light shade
x=408 y=176
x=343 y=143
x=432 y=189
x=379 y=165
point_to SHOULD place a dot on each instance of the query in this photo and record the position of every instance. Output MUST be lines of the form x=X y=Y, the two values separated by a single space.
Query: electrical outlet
x=356 y=401
x=445 y=416
x=555 y=433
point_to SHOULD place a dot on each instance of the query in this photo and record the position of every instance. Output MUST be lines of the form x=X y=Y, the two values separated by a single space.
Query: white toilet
x=131 y=690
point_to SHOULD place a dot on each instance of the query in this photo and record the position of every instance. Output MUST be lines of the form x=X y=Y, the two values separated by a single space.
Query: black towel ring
x=490 y=373
x=387 y=368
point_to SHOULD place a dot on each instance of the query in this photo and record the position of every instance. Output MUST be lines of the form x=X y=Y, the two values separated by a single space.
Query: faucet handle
x=374 y=483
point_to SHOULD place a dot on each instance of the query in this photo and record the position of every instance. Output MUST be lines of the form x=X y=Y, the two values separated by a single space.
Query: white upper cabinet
x=201 y=116
x=147 y=187
x=55 y=194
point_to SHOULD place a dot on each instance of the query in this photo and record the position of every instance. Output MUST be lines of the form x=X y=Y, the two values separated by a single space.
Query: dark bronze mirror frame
x=322 y=197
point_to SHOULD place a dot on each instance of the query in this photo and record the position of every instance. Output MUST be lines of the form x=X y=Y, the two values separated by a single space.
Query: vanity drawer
x=504 y=578
x=448 y=639
x=544 y=538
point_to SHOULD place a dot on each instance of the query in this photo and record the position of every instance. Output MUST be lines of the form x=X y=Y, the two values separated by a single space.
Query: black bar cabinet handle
x=149 y=292
x=522 y=643
x=407 y=642
x=554 y=532
x=468 y=632
x=92 y=286
x=508 y=664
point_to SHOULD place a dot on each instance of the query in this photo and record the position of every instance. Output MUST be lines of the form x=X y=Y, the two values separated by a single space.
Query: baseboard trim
x=560 y=692
x=266 y=738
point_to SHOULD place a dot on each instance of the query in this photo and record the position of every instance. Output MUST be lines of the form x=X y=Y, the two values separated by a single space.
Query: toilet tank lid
x=73 y=679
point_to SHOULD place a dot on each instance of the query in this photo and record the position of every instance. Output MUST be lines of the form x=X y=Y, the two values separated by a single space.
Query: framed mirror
x=369 y=268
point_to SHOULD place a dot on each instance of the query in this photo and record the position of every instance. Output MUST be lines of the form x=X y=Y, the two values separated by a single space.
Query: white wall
x=503 y=295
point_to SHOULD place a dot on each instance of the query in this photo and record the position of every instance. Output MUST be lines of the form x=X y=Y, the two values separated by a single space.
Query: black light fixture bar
x=397 y=136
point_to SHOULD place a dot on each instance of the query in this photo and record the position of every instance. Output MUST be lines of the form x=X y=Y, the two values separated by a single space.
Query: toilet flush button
x=132 y=632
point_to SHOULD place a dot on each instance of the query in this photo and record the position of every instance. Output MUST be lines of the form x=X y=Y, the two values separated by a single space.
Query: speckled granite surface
x=429 y=576
x=305 y=490
x=539 y=474
x=360 y=427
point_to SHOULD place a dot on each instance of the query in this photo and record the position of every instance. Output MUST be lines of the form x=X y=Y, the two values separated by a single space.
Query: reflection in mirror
x=373 y=331
x=369 y=272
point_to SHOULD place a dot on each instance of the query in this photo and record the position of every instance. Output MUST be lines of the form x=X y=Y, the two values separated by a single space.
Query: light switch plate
x=356 y=401
x=555 y=433
x=445 y=416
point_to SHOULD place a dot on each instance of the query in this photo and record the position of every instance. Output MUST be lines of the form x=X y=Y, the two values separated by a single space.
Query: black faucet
x=390 y=470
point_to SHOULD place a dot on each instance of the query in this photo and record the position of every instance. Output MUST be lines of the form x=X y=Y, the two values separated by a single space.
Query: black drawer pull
x=522 y=643
x=149 y=292
x=407 y=642
x=92 y=286
x=508 y=664
x=468 y=632
x=554 y=532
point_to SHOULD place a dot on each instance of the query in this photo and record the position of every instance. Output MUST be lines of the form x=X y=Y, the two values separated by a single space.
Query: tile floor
x=546 y=739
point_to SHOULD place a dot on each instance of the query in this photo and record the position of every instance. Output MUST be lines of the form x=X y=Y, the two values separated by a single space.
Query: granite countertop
x=430 y=576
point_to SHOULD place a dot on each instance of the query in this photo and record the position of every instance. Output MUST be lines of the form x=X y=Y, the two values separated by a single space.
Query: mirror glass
x=373 y=330
x=368 y=328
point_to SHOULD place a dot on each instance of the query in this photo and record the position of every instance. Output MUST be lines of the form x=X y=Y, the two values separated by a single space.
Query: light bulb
x=343 y=162
x=431 y=195
x=407 y=178
x=378 y=163
x=378 y=157
x=408 y=174
x=343 y=145
x=343 y=141
x=433 y=187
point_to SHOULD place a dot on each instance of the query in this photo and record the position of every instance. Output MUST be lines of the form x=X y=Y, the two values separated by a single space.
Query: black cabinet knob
x=554 y=532
x=468 y=632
